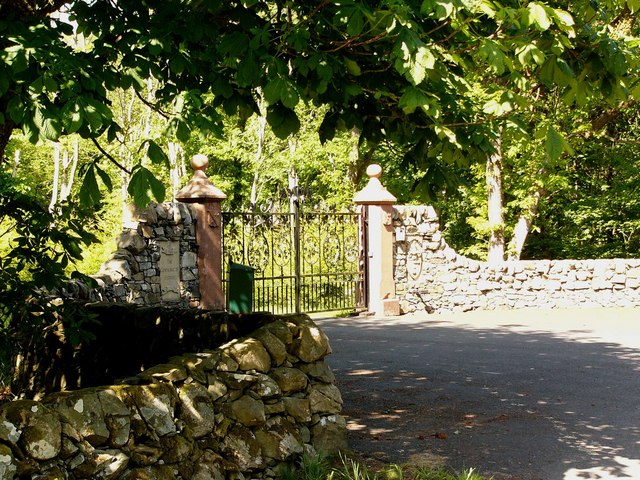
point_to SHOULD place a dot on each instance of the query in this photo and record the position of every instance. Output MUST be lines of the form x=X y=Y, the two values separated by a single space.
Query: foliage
x=597 y=213
x=323 y=172
x=40 y=246
x=317 y=468
x=589 y=208
x=401 y=71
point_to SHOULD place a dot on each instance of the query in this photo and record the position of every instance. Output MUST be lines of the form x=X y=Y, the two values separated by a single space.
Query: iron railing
x=304 y=262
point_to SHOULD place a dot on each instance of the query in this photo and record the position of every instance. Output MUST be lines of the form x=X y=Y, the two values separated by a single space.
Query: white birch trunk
x=16 y=162
x=174 y=153
x=56 y=177
x=495 y=251
x=262 y=125
x=523 y=227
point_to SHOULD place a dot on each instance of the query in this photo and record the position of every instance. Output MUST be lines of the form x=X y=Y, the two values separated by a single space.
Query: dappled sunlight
x=623 y=468
x=507 y=397
x=364 y=372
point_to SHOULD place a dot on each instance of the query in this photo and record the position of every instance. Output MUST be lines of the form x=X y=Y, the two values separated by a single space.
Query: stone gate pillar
x=205 y=199
x=379 y=204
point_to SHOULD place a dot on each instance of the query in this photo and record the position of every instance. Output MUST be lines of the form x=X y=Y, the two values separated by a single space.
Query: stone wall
x=430 y=276
x=239 y=411
x=155 y=261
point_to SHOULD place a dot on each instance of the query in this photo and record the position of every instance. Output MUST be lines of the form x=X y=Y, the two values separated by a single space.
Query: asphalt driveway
x=526 y=394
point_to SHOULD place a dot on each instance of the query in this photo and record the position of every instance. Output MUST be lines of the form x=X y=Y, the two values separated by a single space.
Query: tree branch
x=110 y=157
x=604 y=119
x=153 y=107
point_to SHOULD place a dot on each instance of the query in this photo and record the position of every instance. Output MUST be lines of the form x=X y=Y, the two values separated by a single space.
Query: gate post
x=205 y=199
x=379 y=204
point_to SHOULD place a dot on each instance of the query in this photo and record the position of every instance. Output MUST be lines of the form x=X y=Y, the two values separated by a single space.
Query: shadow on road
x=504 y=399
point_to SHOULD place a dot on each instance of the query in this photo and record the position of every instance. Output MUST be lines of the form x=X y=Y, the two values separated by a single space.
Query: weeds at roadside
x=319 y=468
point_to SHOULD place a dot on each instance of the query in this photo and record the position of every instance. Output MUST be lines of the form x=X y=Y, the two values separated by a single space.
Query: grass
x=320 y=468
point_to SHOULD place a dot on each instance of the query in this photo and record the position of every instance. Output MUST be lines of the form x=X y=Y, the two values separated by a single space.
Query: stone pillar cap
x=200 y=189
x=374 y=192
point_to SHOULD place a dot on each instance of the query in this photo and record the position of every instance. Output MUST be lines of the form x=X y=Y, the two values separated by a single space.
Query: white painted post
x=379 y=204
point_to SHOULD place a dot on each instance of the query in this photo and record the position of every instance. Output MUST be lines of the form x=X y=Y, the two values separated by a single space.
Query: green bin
x=240 y=288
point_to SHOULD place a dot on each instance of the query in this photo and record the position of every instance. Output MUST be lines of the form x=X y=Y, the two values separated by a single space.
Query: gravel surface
x=525 y=394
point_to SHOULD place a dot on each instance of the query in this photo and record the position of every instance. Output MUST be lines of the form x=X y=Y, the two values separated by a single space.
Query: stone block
x=197 y=409
x=247 y=411
x=390 y=307
x=619 y=278
x=290 y=380
x=250 y=354
x=189 y=260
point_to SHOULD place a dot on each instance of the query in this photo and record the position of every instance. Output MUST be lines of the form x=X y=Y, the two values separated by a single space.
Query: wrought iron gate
x=304 y=262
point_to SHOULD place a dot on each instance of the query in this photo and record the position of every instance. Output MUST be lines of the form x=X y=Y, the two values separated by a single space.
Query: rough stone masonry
x=430 y=276
x=240 y=411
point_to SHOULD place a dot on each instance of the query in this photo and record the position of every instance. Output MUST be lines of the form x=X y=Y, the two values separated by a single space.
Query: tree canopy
x=429 y=74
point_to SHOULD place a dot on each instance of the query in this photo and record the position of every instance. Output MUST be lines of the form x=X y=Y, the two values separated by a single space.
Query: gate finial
x=200 y=189
x=374 y=192
x=205 y=199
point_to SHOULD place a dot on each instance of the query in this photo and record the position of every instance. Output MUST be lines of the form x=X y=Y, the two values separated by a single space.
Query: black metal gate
x=303 y=262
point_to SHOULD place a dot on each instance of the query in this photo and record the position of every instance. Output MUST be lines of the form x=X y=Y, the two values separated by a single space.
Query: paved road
x=528 y=394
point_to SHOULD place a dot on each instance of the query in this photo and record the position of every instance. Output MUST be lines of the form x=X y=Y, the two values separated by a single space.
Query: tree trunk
x=16 y=162
x=56 y=177
x=72 y=173
x=175 y=152
x=358 y=161
x=495 y=253
x=523 y=227
x=6 y=129
x=262 y=125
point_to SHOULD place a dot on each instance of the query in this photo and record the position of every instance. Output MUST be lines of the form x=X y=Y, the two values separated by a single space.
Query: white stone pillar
x=380 y=236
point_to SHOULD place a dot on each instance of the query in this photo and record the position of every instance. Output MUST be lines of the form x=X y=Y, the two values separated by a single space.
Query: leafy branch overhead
x=436 y=74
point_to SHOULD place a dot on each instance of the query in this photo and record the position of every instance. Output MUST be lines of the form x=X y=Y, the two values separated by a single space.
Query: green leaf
x=442 y=8
x=634 y=5
x=112 y=132
x=353 y=67
x=234 y=45
x=555 y=144
x=565 y=21
x=71 y=116
x=183 y=132
x=248 y=71
x=156 y=154
x=414 y=98
x=16 y=110
x=92 y=116
x=89 y=191
x=49 y=127
x=104 y=176
x=145 y=187
x=556 y=71
x=281 y=89
x=273 y=90
x=537 y=15
x=17 y=58
x=355 y=24
x=178 y=64
x=413 y=57
x=491 y=53
x=528 y=53
x=283 y=121
x=221 y=87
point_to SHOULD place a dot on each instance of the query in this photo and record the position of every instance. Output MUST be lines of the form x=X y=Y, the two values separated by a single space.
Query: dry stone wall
x=239 y=411
x=430 y=276
x=155 y=261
